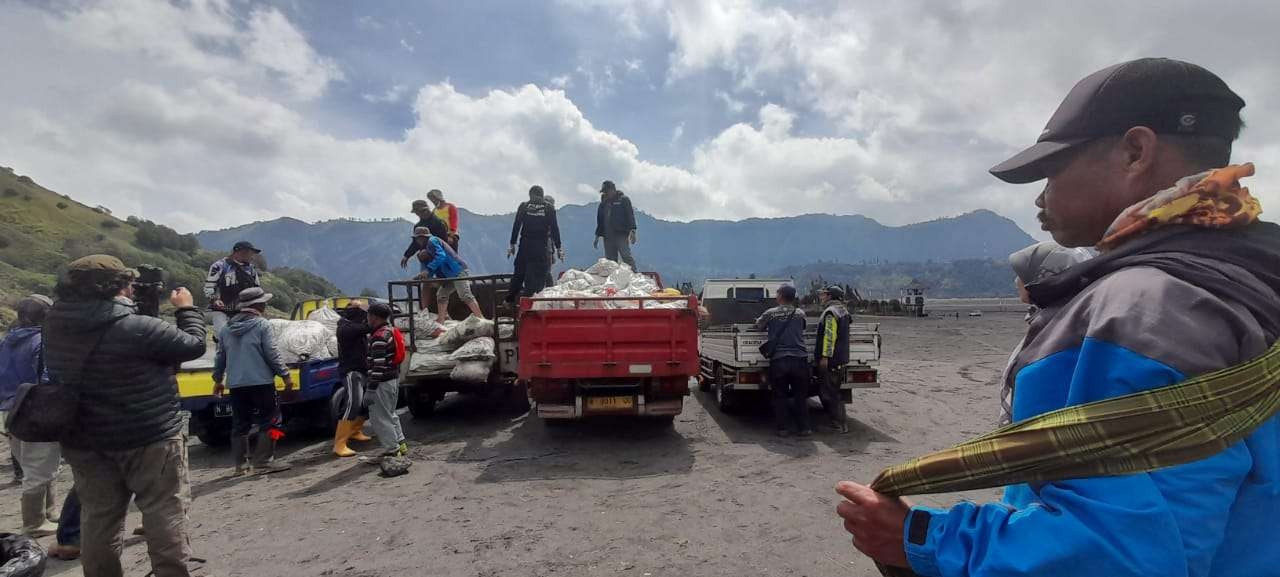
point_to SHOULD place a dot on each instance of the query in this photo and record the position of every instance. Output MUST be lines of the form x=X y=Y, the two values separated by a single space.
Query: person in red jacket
x=447 y=212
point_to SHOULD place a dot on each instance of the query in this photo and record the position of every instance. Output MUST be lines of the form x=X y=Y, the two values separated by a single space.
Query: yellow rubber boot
x=358 y=433
x=340 y=437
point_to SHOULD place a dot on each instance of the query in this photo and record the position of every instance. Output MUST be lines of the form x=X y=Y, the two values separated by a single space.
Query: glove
x=595 y=243
x=633 y=237
x=511 y=251
x=560 y=253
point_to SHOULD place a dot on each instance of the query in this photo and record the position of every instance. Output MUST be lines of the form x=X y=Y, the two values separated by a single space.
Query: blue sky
x=211 y=113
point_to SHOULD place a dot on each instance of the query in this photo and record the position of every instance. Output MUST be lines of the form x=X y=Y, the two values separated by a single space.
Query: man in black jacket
x=353 y=347
x=616 y=225
x=438 y=228
x=129 y=442
x=535 y=225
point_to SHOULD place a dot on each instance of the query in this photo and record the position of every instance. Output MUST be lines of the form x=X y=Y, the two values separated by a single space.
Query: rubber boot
x=239 y=446
x=263 y=454
x=340 y=437
x=34 y=523
x=358 y=434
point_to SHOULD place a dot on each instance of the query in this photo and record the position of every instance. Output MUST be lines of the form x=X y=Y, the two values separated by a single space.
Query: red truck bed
x=590 y=352
x=602 y=343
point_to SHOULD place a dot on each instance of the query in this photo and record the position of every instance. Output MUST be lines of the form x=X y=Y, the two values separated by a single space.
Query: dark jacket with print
x=128 y=390
x=615 y=217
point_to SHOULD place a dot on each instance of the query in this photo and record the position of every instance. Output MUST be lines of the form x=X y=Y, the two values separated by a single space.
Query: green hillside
x=41 y=231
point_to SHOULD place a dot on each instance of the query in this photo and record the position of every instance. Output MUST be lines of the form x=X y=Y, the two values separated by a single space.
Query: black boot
x=264 y=453
x=239 y=446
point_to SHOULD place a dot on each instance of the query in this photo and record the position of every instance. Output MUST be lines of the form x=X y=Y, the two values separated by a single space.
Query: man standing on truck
x=447 y=212
x=789 y=372
x=227 y=277
x=438 y=260
x=353 y=350
x=616 y=225
x=428 y=220
x=250 y=363
x=1137 y=162
x=831 y=354
x=383 y=365
x=535 y=225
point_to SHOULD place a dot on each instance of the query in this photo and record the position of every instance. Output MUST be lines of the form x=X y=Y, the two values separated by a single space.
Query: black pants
x=829 y=380
x=789 y=378
x=353 y=383
x=533 y=268
x=254 y=406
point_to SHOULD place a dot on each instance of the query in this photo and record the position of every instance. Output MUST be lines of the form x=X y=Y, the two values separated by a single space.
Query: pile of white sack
x=605 y=278
x=462 y=350
x=298 y=340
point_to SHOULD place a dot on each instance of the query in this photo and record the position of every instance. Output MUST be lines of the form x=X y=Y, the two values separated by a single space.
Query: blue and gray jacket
x=1171 y=305
x=20 y=353
x=788 y=335
x=247 y=355
x=444 y=262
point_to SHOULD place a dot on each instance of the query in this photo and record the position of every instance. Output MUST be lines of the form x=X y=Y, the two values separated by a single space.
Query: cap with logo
x=245 y=245
x=1167 y=96
x=100 y=262
x=419 y=205
x=252 y=296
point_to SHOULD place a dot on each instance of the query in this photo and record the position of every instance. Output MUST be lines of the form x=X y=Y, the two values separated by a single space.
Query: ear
x=1138 y=151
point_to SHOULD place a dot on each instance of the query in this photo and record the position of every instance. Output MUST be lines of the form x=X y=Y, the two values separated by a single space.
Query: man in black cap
x=1188 y=282
x=789 y=372
x=428 y=219
x=615 y=225
x=535 y=225
x=227 y=277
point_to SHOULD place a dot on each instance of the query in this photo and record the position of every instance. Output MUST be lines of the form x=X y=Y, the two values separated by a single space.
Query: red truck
x=581 y=356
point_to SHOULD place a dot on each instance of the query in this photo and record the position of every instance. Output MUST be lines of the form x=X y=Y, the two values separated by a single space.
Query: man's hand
x=218 y=389
x=875 y=521
x=181 y=298
x=511 y=251
x=289 y=390
x=822 y=363
x=632 y=237
x=404 y=262
x=560 y=253
x=217 y=304
x=595 y=243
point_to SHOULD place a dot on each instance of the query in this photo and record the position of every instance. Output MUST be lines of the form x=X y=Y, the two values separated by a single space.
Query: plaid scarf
x=1135 y=433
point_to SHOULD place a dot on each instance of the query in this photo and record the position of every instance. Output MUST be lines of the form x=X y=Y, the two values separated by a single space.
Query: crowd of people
x=1186 y=281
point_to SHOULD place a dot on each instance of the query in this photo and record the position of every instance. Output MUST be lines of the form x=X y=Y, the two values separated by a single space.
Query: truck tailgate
x=605 y=343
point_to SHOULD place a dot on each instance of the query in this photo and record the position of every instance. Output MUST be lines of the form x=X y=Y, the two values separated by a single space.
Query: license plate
x=610 y=403
x=222 y=410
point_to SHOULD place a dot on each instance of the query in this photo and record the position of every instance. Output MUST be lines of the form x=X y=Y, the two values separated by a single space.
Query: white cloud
x=677 y=134
x=404 y=44
x=731 y=104
x=390 y=96
x=562 y=81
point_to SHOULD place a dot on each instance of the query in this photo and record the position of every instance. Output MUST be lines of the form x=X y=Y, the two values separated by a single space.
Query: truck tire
x=212 y=432
x=726 y=398
x=664 y=421
x=422 y=405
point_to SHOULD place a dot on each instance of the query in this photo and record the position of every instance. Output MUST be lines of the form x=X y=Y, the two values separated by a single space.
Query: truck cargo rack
x=406 y=298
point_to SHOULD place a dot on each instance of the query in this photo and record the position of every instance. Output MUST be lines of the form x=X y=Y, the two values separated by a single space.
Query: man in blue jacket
x=439 y=260
x=22 y=361
x=248 y=363
x=1188 y=282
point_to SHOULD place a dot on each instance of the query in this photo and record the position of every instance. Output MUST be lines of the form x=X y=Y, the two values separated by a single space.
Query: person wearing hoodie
x=129 y=440
x=1137 y=162
x=615 y=225
x=353 y=348
x=1031 y=265
x=383 y=371
x=831 y=354
x=248 y=363
x=22 y=361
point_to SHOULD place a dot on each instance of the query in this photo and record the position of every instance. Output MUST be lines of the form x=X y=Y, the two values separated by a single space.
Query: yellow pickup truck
x=318 y=399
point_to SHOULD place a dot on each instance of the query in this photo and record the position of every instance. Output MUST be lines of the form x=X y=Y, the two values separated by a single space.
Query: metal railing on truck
x=408 y=297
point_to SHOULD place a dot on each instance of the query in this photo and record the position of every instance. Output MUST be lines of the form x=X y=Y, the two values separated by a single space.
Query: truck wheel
x=664 y=420
x=212 y=432
x=422 y=405
x=726 y=399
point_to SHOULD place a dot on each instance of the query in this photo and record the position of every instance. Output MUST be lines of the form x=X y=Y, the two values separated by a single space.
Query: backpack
x=398 y=338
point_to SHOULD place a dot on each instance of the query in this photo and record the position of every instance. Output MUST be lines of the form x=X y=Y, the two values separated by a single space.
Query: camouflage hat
x=101 y=262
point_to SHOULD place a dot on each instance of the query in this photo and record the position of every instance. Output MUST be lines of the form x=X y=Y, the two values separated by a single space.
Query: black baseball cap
x=245 y=245
x=1167 y=96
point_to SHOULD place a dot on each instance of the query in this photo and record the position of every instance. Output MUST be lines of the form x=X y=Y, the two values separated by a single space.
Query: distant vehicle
x=730 y=363
x=975 y=313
